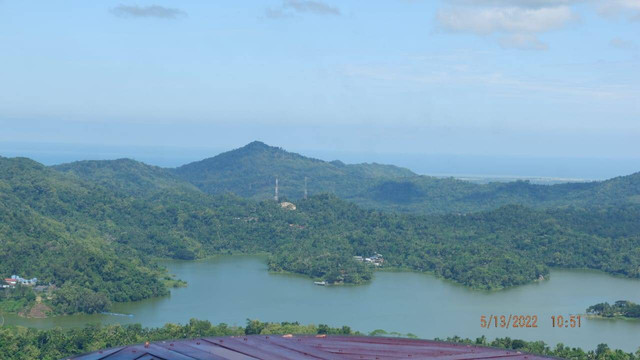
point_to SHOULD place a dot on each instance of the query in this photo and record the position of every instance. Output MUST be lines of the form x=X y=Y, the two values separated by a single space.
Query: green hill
x=251 y=171
x=46 y=232
x=132 y=177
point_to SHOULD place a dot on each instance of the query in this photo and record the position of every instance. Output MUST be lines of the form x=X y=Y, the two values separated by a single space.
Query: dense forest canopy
x=93 y=229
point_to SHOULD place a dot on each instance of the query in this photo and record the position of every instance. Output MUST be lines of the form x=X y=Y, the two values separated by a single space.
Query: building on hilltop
x=287 y=205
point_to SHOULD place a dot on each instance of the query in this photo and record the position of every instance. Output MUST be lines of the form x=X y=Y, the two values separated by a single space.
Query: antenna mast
x=276 y=197
x=305 y=188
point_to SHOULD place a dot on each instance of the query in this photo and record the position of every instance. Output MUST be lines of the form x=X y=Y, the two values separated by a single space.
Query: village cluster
x=15 y=280
x=376 y=259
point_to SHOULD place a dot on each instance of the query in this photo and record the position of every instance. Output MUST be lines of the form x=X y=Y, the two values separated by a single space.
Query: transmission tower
x=276 y=197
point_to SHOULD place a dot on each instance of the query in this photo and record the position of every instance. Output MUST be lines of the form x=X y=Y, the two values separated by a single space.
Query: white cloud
x=517 y=22
x=315 y=7
x=522 y=42
x=622 y=44
x=291 y=7
x=504 y=19
x=627 y=8
x=154 y=11
x=517 y=3
x=504 y=84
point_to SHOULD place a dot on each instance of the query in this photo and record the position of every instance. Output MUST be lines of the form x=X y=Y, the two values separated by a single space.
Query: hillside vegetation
x=621 y=308
x=92 y=229
x=250 y=172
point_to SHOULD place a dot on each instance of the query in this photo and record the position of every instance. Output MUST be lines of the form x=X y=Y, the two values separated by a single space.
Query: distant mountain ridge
x=250 y=172
x=126 y=175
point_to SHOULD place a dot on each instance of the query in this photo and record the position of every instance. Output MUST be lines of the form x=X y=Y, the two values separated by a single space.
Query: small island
x=620 y=309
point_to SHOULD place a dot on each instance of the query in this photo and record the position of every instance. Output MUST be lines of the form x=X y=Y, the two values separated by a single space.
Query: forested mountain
x=427 y=195
x=251 y=171
x=132 y=177
x=47 y=230
x=93 y=229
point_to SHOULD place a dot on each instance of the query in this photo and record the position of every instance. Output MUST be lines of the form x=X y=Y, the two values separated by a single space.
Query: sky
x=528 y=79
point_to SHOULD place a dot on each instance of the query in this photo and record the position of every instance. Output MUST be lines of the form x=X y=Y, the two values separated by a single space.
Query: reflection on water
x=116 y=314
x=233 y=289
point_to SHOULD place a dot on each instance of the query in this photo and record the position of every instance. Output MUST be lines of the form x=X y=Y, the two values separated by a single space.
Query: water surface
x=235 y=288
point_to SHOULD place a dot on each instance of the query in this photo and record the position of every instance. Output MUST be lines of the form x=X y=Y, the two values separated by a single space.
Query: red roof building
x=275 y=347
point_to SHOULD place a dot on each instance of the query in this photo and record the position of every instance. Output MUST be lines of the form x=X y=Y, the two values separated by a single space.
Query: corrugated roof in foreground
x=303 y=347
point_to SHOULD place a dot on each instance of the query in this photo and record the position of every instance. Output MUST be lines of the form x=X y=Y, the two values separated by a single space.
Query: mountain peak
x=257 y=145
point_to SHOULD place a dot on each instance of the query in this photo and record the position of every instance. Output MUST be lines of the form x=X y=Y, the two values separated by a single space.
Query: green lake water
x=234 y=288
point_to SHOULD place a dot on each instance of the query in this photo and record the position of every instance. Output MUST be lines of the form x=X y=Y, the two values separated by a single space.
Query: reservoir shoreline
x=231 y=289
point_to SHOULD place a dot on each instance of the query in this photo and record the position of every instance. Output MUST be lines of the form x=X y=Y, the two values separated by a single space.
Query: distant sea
x=479 y=168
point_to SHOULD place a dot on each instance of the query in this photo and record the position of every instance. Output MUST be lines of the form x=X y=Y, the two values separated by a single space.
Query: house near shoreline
x=376 y=260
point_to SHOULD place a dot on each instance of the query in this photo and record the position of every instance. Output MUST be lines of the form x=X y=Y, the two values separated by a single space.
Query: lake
x=231 y=289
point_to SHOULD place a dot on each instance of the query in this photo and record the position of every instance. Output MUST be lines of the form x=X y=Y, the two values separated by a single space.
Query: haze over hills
x=250 y=172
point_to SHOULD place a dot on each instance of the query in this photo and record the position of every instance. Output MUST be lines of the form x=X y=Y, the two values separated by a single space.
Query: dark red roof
x=303 y=347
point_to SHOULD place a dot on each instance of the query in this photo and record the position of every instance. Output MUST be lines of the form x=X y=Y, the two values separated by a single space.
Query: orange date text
x=508 y=321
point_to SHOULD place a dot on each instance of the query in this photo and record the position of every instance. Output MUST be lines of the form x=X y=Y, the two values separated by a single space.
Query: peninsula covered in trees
x=93 y=229
x=621 y=309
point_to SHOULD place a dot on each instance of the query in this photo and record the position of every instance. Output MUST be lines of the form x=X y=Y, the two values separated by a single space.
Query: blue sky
x=541 y=78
